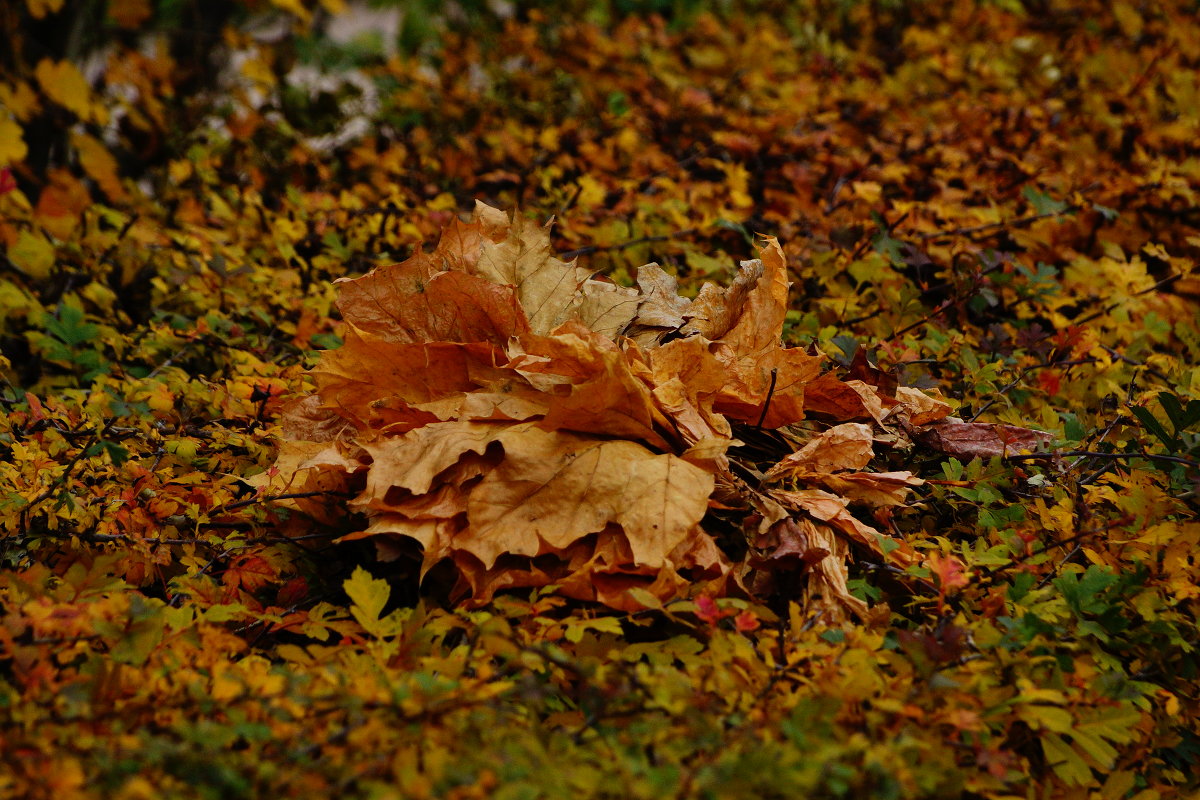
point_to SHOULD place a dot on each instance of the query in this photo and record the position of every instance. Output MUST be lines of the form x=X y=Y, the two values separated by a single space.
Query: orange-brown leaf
x=842 y=447
x=980 y=439
x=553 y=488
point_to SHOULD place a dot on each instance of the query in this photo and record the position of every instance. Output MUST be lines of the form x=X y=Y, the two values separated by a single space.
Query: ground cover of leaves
x=839 y=437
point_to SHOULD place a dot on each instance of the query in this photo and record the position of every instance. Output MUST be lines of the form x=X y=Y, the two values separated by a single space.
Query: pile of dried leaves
x=534 y=425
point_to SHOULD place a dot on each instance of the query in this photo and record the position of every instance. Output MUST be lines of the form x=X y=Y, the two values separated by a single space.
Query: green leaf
x=143 y=632
x=1042 y=203
x=889 y=247
x=118 y=454
x=1073 y=430
x=1083 y=594
x=1155 y=427
x=69 y=326
x=886 y=543
x=1181 y=418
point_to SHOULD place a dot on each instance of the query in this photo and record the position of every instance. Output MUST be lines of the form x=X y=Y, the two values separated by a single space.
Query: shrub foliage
x=932 y=526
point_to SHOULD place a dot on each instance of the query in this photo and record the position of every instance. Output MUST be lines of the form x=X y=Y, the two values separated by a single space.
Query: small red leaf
x=706 y=610
x=746 y=622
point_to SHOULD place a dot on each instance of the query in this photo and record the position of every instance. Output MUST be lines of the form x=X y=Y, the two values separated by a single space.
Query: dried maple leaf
x=920 y=408
x=834 y=511
x=606 y=308
x=763 y=375
x=660 y=310
x=594 y=385
x=417 y=302
x=552 y=488
x=826 y=590
x=871 y=488
x=830 y=397
x=548 y=289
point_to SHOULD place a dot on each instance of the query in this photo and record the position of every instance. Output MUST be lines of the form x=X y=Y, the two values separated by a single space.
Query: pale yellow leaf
x=40 y=8
x=546 y=287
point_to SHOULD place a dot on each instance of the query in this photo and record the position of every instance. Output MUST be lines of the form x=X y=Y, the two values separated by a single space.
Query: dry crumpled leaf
x=503 y=412
x=984 y=440
x=921 y=408
x=762 y=373
x=871 y=488
x=661 y=310
x=842 y=447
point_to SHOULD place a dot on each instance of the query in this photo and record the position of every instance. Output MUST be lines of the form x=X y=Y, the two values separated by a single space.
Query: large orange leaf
x=554 y=487
x=410 y=302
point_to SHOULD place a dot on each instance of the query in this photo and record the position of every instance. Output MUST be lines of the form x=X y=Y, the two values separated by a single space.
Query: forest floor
x=332 y=464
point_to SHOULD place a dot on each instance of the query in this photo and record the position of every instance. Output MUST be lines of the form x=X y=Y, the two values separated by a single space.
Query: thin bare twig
x=1189 y=462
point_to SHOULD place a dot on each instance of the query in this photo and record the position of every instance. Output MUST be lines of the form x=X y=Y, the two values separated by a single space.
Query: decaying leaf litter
x=535 y=426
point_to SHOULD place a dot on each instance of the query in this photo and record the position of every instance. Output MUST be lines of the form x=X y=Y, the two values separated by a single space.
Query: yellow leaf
x=1065 y=761
x=100 y=165
x=1051 y=718
x=868 y=190
x=12 y=145
x=40 y=8
x=1157 y=250
x=591 y=192
x=1129 y=19
x=63 y=83
x=32 y=254
x=1118 y=784
x=16 y=302
x=259 y=71
x=20 y=100
x=369 y=596
x=99 y=294
x=294 y=7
